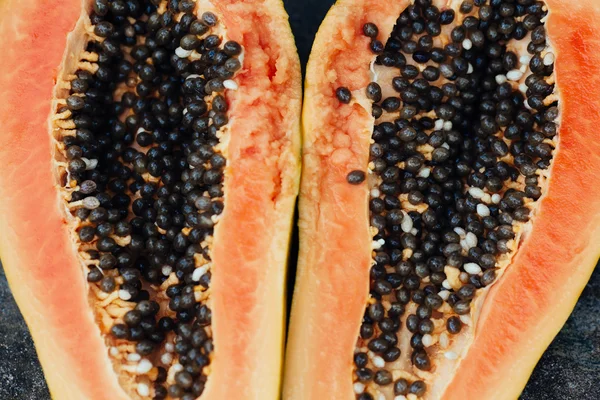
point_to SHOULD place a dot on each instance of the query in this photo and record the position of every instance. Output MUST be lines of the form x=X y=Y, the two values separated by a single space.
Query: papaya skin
x=527 y=307
x=40 y=261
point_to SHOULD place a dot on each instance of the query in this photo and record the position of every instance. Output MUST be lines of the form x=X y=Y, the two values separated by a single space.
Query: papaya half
x=149 y=152
x=449 y=202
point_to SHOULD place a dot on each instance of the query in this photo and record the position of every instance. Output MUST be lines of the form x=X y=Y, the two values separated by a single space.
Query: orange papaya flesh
x=45 y=253
x=509 y=321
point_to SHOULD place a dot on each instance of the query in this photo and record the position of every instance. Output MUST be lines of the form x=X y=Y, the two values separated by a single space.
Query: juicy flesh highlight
x=140 y=134
x=466 y=121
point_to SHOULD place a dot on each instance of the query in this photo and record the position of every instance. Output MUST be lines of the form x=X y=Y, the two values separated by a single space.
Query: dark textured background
x=569 y=370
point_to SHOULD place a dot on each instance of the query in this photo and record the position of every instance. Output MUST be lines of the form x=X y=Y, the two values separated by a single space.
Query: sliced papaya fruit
x=449 y=205
x=150 y=166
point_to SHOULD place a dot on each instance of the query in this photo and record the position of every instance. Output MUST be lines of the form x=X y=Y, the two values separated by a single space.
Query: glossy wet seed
x=356 y=177
x=343 y=94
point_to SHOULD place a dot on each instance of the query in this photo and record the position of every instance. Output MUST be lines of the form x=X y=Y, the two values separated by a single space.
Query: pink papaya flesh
x=449 y=213
x=150 y=166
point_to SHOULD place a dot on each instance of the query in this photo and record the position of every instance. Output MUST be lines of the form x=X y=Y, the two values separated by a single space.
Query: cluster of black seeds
x=149 y=179
x=458 y=165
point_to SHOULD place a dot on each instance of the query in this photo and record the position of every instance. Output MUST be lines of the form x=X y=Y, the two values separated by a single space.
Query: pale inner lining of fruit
x=160 y=143
x=417 y=361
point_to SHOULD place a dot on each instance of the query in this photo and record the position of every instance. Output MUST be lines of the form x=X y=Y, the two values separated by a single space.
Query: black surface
x=569 y=370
